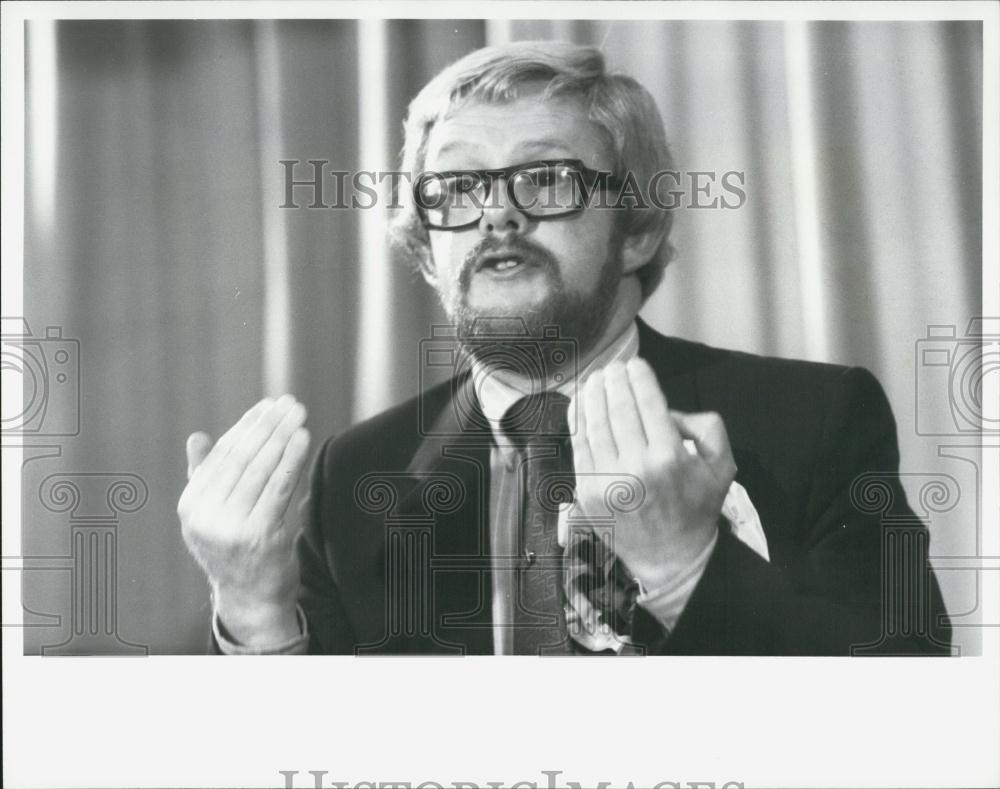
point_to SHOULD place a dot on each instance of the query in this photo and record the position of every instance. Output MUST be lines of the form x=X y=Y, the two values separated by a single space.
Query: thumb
x=198 y=446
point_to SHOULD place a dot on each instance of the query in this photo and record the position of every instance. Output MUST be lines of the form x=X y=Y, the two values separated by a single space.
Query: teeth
x=505 y=264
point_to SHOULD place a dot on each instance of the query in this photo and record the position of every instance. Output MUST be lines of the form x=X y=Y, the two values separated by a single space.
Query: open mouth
x=502 y=265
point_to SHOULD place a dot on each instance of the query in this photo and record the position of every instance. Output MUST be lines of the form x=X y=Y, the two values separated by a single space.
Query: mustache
x=531 y=253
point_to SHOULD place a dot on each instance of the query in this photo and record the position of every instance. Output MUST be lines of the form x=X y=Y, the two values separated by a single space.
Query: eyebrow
x=543 y=143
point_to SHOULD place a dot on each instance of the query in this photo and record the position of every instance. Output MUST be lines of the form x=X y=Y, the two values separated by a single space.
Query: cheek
x=581 y=245
x=448 y=250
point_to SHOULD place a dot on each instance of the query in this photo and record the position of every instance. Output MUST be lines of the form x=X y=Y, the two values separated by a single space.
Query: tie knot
x=537 y=419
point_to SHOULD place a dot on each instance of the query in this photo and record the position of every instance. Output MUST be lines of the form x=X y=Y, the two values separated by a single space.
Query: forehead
x=482 y=135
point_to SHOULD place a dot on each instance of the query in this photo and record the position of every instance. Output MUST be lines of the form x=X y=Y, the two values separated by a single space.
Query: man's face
x=567 y=268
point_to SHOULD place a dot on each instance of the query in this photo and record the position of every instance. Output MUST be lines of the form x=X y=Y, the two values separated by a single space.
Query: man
x=640 y=494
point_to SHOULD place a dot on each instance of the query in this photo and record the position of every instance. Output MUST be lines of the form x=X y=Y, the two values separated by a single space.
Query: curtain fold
x=163 y=247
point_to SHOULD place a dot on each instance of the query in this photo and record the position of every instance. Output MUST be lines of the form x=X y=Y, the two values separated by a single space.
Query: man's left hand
x=625 y=427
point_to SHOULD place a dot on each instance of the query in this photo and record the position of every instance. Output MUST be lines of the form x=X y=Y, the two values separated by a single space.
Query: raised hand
x=626 y=427
x=232 y=515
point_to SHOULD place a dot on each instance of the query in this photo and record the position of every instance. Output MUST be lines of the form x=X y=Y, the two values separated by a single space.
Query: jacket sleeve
x=858 y=582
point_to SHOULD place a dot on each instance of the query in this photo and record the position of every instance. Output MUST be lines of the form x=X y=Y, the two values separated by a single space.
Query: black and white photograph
x=349 y=347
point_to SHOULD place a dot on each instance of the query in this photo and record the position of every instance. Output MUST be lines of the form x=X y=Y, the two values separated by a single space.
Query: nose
x=500 y=215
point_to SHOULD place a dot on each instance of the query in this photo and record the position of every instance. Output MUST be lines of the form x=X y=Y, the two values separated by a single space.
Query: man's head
x=524 y=102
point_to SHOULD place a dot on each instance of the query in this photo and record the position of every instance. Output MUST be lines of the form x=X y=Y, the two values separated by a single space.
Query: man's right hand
x=232 y=514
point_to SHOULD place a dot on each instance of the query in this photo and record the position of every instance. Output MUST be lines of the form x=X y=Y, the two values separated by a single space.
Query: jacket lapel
x=448 y=483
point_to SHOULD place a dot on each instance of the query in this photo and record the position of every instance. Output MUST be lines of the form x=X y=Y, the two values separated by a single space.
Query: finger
x=595 y=410
x=583 y=460
x=277 y=493
x=708 y=432
x=251 y=415
x=198 y=446
x=204 y=473
x=260 y=469
x=244 y=423
x=623 y=412
x=245 y=449
x=652 y=405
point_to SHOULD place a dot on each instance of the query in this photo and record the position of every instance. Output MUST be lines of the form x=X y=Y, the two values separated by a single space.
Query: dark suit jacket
x=395 y=552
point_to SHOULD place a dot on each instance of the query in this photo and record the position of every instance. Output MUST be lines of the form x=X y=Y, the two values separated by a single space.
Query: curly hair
x=618 y=105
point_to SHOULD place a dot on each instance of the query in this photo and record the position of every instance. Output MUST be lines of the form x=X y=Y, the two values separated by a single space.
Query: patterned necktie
x=537 y=426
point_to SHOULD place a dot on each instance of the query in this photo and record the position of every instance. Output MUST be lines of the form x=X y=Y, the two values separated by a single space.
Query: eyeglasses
x=545 y=189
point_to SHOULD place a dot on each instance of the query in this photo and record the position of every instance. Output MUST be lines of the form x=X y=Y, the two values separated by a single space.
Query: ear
x=639 y=249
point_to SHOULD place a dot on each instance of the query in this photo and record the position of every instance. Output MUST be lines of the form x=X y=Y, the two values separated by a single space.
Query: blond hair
x=617 y=104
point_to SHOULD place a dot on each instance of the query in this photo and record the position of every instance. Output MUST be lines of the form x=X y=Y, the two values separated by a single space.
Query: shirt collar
x=497 y=395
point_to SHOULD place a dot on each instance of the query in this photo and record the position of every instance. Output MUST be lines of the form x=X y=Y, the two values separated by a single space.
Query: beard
x=527 y=340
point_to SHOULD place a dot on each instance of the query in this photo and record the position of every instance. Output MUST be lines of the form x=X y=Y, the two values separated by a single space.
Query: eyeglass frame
x=599 y=178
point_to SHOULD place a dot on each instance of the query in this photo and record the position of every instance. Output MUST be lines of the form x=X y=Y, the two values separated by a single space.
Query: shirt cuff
x=296 y=645
x=667 y=602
